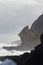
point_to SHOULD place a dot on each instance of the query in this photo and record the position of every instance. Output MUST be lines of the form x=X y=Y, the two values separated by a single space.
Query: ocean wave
x=4 y=52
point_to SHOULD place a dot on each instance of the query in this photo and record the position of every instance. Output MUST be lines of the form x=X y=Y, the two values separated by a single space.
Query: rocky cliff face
x=37 y=26
x=29 y=38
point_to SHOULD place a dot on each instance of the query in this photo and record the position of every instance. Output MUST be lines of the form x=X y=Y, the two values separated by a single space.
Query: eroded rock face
x=29 y=38
x=37 y=26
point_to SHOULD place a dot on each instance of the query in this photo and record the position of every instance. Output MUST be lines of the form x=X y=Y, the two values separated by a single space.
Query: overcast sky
x=16 y=14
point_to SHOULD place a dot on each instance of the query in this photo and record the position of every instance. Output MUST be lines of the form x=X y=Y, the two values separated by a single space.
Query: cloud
x=18 y=2
x=15 y=14
x=39 y=2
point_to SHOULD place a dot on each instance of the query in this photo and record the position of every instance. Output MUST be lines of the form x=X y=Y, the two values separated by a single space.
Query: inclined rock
x=37 y=26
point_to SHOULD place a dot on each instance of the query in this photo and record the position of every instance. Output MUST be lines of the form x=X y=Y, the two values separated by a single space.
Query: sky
x=15 y=15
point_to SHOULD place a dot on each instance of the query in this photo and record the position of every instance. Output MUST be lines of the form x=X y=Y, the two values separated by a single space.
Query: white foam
x=4 y=52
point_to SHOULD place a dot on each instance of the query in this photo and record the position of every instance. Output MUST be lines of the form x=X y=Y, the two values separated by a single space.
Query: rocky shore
x=18 y=59
x=33 y=58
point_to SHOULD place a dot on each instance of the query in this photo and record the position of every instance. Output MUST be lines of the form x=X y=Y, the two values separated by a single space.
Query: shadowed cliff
x=37 y=26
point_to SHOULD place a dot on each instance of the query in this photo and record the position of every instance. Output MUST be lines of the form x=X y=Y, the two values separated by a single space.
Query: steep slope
x=37 y=26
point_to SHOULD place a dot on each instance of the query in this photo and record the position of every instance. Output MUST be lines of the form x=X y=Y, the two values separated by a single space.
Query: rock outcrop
x=37 y=26
x=29 y=38
x=36 y=56
x=20 y=60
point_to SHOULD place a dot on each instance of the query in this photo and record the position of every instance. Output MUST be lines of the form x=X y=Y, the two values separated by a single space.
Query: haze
x=16 y=14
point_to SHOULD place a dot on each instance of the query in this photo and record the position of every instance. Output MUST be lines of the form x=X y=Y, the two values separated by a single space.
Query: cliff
x=37 y=26
x=29 y=38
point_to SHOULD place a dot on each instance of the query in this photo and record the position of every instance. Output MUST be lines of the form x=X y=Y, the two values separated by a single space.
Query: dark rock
x=19 y=59
x=37 y=26
x=36 y=56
